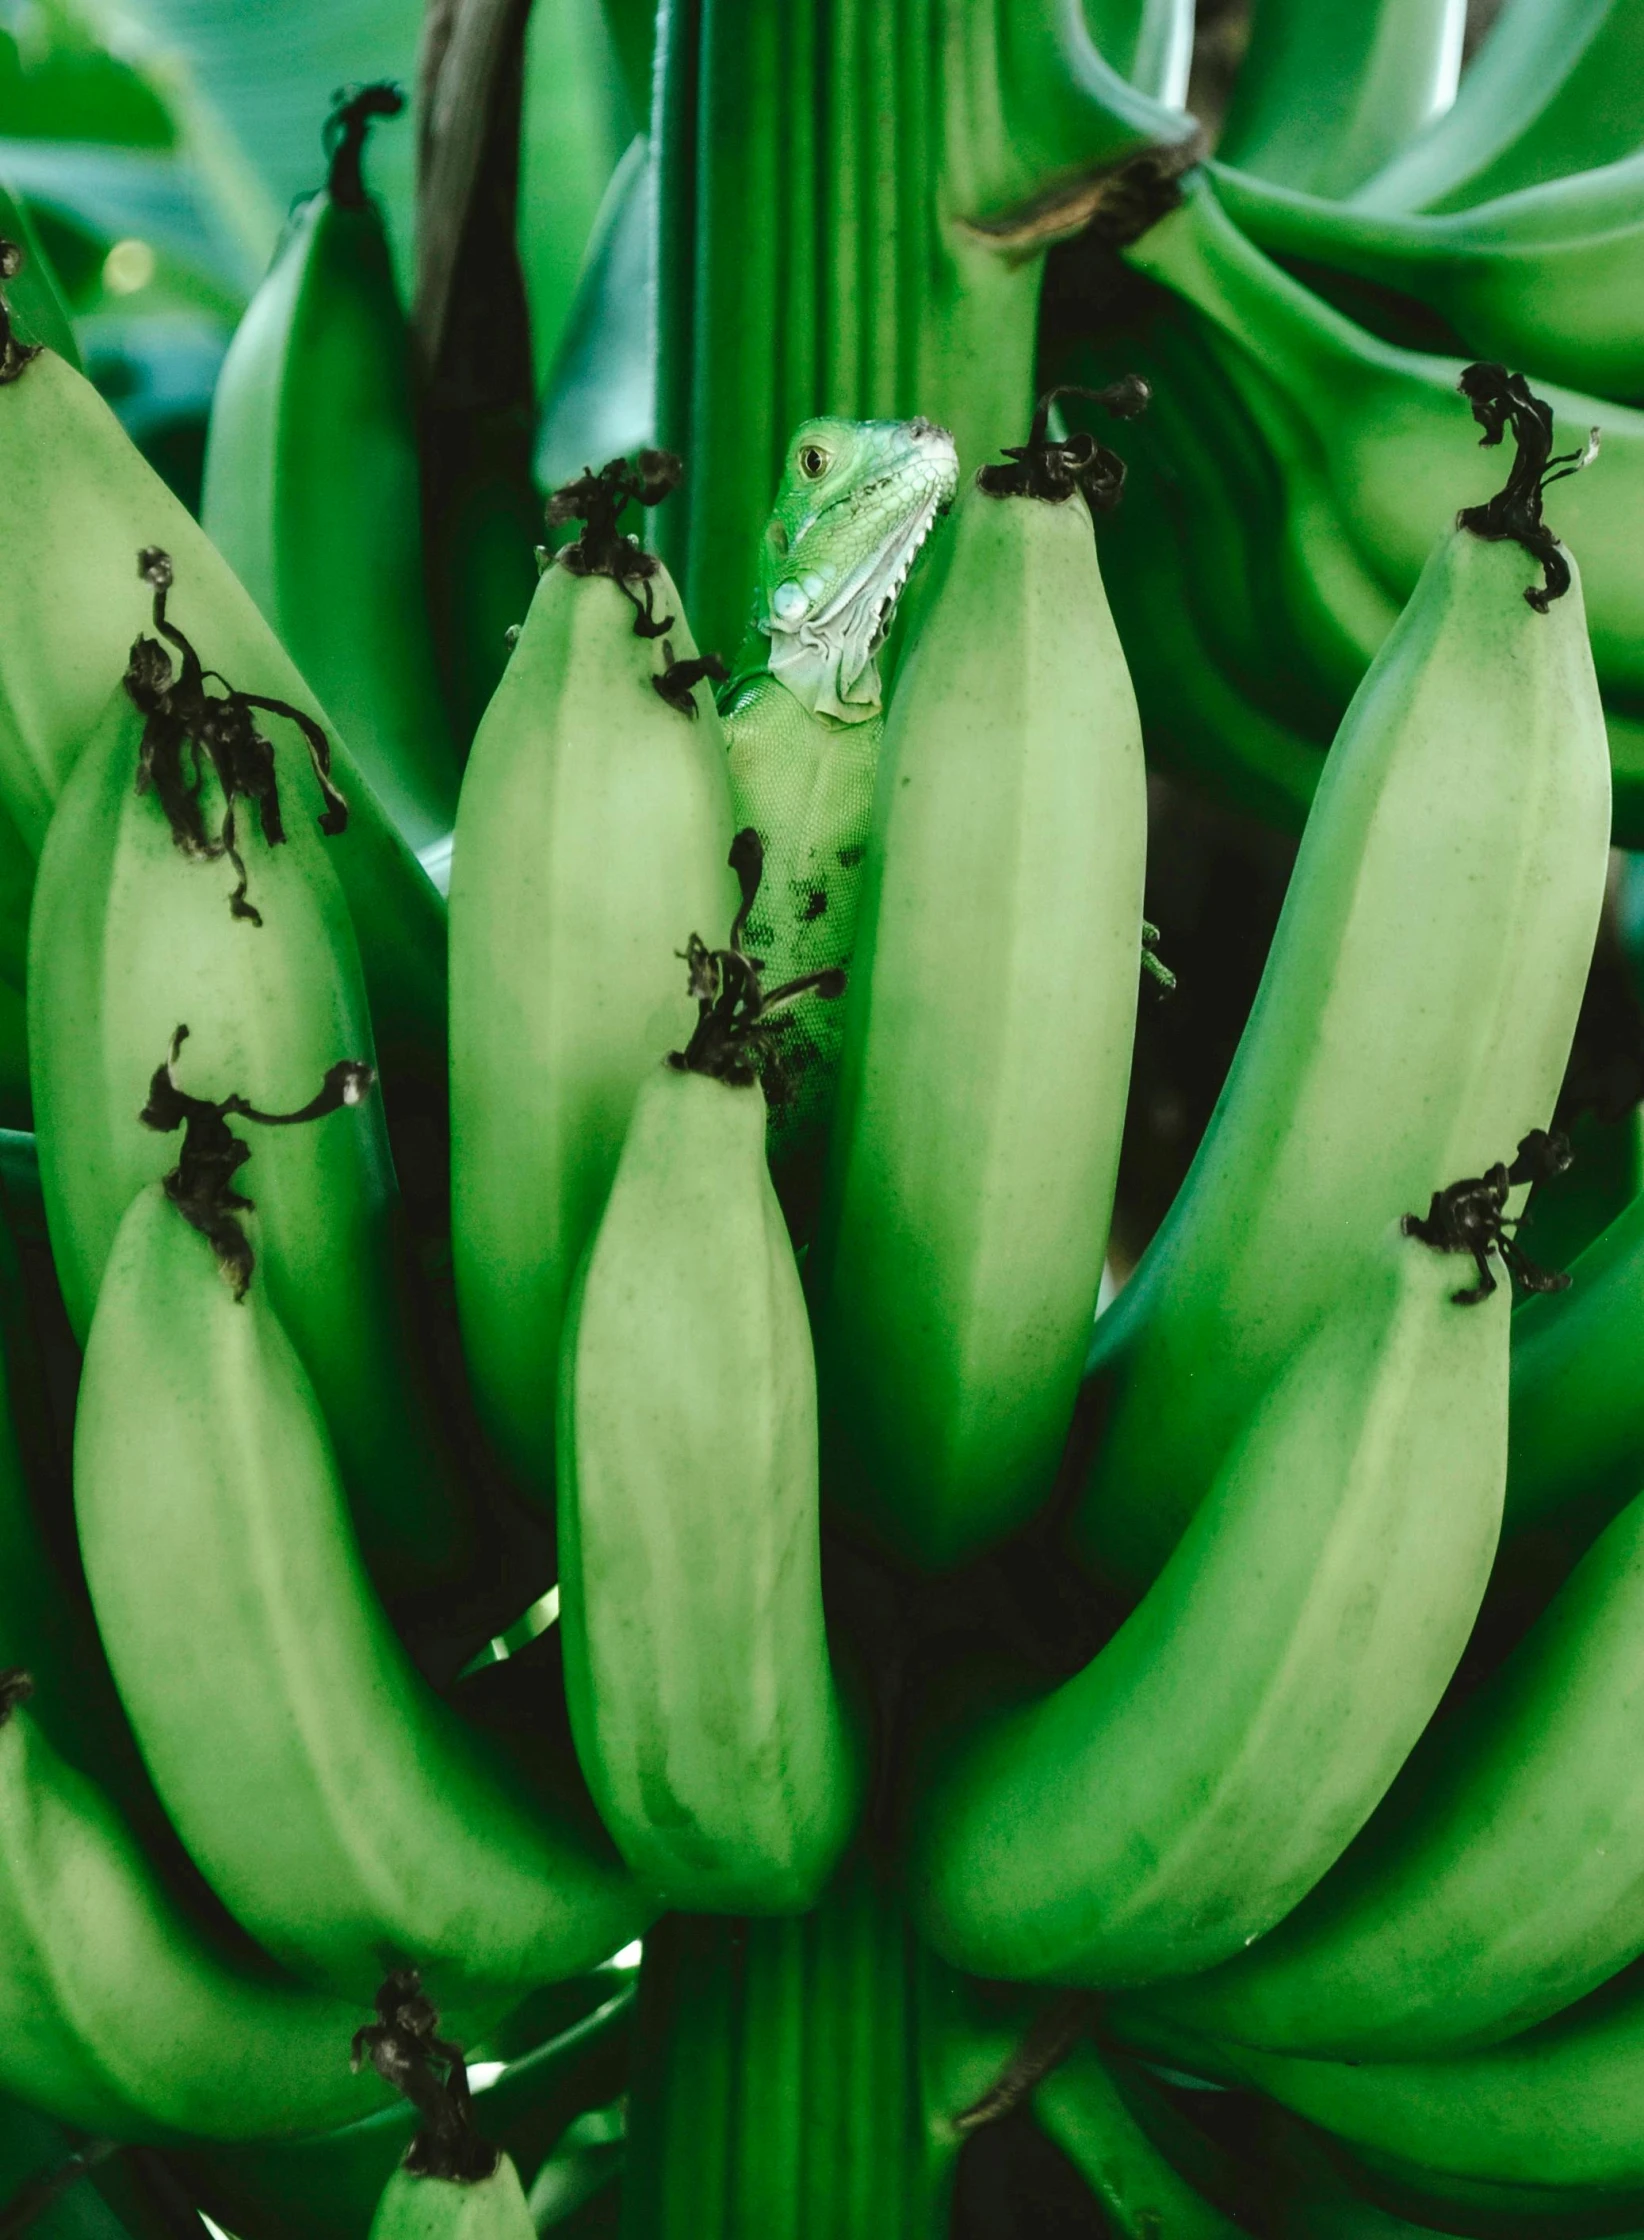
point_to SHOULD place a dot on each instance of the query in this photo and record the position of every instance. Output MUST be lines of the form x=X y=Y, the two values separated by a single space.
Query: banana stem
x=855 y=198
x=789 y=2077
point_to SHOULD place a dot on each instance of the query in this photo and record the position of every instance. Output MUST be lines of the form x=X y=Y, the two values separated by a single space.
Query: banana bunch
x=578 y=1411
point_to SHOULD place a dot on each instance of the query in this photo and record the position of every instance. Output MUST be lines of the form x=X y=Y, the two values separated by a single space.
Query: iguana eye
x=812 y=461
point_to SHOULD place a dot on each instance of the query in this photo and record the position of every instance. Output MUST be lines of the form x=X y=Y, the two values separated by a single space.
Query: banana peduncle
x=344 y=137
x=1503 y=400
x=201 y=1184
x=184 y=724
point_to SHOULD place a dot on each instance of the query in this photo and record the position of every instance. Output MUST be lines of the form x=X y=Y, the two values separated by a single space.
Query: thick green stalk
x=801 y=2079
x=855 y=200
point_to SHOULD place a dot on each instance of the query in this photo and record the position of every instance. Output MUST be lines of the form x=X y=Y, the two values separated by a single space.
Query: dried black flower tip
x=16 y=1686
x=733 y=1014
x=678 y=679
x=1164 y=980
x=186 y=728
x=201 y=1184
x=403 y=2045
x=343 y=137
x=1051 y=2038
x=597 y=501
x=1053 y=471
x=1471 y=1216
x=1503 y=400
x=14 y=355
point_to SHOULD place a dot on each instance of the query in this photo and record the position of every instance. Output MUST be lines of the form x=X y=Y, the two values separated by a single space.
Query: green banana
x=1553 y=2109
x=344 y=1814
x=1413 y=1020
x=81 y=502
x=1080 y=2106
x=1366 y=437
x=1378 y=73
x=1551 y=91
x=1577 y=1446
x=311 y=482
x=117 y=2013
x=987 y=1048
x=419 y=2208
x=594 y=827
x=1499 y=1882
x=1149 y=42
x=1548 y=278
x=137 y=932
x=1140 y=1821
x=706 y=1715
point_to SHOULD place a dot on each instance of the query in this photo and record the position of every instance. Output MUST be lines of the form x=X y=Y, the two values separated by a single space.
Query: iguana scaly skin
x=804 y=712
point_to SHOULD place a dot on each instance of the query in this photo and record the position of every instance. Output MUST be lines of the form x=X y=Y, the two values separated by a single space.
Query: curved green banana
x=343 y=1813
x=1551 y=91
x=1413 y=1023
x=427 y=2208
x=706 y=1714
x=132 y=938
x=804 y=715
x=1549 y=278
x=1577 y=1442
x=1326 y=96
x=1555 y=2108
x=1142 y=2197
x=1150 y=42
x=1376 y=431
x=81 y=503
x=311 y=483
x=594 y=828
x=1499 y=1882
x=1175 y=1799
x=117 y=2013
x=987 y=1048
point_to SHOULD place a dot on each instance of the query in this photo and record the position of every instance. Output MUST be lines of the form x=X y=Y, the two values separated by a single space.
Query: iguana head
x=856 y=502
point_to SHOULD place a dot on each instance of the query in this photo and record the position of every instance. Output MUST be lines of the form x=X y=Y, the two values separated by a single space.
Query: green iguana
x=804 y=713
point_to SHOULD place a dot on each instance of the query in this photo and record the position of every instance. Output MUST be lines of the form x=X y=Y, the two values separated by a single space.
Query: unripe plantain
x=706 y=1715
x=594 y=826
x=1413 y=1021
x=132 y=938
x=1174 y=1800
x=311 y=485
x=987 y=1049
x=343 y=1813
x=81 y=501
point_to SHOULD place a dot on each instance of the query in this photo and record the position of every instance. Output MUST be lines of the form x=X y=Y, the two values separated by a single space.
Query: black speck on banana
x=1174 y=1800
x=134 y=934
x=311 y=484
x=81 y=502
x=1413 y=1022
x=594 y=829
x=987 y=1046
x=706 y=1714
x=117 y=2012
x=344 y=1814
